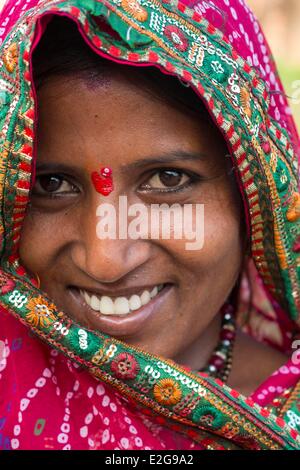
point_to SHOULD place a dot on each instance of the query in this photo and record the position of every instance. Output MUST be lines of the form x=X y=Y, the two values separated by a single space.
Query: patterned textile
x=55 y=404
x=263 y=144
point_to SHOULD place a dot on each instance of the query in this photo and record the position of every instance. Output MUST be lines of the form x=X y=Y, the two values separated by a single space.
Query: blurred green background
x=290 y=75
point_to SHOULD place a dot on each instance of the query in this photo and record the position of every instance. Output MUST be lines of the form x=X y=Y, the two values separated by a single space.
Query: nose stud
x=103 y=181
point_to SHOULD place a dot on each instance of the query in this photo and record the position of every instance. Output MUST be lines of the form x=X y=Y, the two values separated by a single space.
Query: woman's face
x=142 y=139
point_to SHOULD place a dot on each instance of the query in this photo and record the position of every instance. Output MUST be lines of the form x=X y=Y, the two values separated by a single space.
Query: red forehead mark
x=103 y=181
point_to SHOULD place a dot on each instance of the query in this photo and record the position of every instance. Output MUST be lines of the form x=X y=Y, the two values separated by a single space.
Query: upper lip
x=126 y=292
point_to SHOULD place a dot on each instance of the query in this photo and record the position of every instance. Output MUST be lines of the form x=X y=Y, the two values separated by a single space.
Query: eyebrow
x=170 y=157
x=53 y=166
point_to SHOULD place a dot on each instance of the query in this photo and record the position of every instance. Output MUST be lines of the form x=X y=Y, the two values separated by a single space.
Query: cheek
x=40 y=240
x=214 y=253
x=222 y=223
x=222 y=231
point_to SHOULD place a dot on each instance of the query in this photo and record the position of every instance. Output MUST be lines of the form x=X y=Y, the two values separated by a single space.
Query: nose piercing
x=103 y=181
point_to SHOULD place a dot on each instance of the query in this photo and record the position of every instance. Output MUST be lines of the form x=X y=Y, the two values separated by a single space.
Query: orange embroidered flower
x=133 y=8
x=293 y=212
x=10 y=57
x=41 y=312
x=167 y=392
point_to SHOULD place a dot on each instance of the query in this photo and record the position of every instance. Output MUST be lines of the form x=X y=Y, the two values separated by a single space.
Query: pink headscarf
x=238 y=24
x=82 y=413
x=244 y=32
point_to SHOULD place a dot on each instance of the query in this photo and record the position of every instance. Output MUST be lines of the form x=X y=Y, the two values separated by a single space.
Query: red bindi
x=103 y=181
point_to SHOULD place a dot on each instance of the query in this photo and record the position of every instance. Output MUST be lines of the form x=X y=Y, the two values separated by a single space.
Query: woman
x=137 y=342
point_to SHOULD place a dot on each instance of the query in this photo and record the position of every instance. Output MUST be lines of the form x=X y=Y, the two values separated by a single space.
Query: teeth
x=86 y=297
x=95 y=303
x=106 y=305
x=135 y=302
x=154 y=292
x=145 y=297
x=120 y=305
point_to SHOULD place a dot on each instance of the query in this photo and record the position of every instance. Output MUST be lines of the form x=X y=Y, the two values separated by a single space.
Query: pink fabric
x=267 y=321
x=11 y=12
x=282 y=379
x=50 y=403
x=240 y=26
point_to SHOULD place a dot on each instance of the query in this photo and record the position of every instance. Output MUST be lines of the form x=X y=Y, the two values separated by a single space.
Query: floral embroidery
x=167 y=392
x=293 y=213
x=283 y=177
x=41 y=312
x=177 y=37
x=207 y=419
x=125 y=366
x=133 y=7
x=217 y=66
x=6 y=285
x=10 y=57
x=264 y=438
x=230 y=430
x=210 y=416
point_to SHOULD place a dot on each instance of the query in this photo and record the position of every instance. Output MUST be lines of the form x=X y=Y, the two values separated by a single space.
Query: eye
x=167 y=180
x=52 y=185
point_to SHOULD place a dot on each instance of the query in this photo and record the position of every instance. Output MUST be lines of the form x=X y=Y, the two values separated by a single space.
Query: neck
x=197 y=354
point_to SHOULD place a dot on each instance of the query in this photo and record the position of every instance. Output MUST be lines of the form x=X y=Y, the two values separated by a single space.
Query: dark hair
x=63 y=52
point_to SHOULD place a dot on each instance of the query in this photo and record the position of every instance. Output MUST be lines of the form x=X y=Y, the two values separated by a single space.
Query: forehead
x=120 y=104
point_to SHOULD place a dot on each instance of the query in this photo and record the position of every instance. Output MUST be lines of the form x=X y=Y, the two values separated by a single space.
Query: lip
x=120 y=325
x=127 y=292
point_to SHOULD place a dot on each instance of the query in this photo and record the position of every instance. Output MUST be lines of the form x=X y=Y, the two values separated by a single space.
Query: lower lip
x=121 y=325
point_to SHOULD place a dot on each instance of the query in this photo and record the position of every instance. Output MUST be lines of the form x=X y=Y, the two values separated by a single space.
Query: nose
x=106 y=260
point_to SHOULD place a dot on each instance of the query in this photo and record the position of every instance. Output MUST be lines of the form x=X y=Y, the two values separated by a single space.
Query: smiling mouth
x=122 y=305
x=123 y=316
